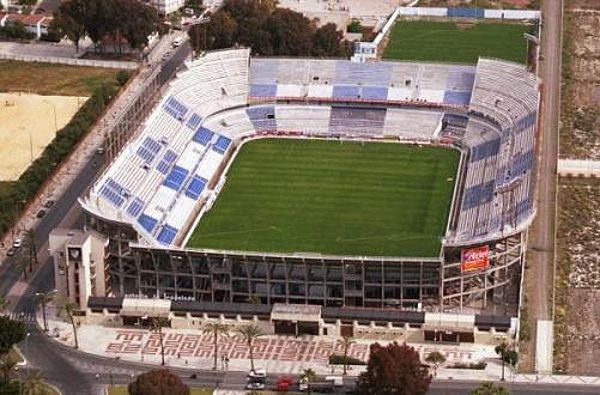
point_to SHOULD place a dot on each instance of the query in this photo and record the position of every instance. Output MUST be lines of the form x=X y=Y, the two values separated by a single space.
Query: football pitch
x=350 y=198
x=450 y=42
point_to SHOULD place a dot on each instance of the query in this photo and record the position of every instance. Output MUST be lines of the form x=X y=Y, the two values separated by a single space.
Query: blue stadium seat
x=166 y=235
x=263 y=90
x=484 y=150
x=194 y=121
x=195 y=187
x=176 y=178
x=374 y=92
x=147 y=222
x=457 y=97
x=346 y=91
x=222 y=144
x=135 y=207
x=203 y=136
x=478 y=194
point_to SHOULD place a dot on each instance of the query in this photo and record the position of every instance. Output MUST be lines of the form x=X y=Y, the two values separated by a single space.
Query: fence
x=113 y=64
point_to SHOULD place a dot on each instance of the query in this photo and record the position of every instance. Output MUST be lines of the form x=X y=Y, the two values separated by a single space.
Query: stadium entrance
x=296 y=319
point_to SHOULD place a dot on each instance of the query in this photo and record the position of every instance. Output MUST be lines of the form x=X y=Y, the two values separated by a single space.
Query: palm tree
x=436 y=358
x=69 y=308
x=4 y=304
x=308 y=376
x=216 y=329
x=156 y=324
x=34 y=384
x=250 y=333
x=346 y=342
x=42 y=299
x=7 y=365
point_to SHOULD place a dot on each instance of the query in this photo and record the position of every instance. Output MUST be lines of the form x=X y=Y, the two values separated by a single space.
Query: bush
x=156 y=382
x=122 y=77
x=477 y=365
x=354 y=27
x=339 y=360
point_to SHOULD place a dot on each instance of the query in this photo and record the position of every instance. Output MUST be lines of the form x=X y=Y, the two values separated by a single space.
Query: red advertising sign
x=474 y=258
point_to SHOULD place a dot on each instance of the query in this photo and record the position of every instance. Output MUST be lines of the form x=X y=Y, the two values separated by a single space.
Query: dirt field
x=580 y=135
x=52 y=79
x=27 y=125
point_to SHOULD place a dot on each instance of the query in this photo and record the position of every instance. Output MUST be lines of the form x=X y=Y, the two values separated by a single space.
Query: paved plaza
x=278 y=354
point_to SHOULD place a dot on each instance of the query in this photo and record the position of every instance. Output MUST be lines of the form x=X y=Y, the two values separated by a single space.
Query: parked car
x=327 y=385
x=17 y=243
x=49 y=203
x=256 y=383
x=284 y=384
x=41 y=213
x=258 y=372
x=10 y=252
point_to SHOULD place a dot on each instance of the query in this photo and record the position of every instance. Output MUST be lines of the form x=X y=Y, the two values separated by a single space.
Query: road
x=543 y=232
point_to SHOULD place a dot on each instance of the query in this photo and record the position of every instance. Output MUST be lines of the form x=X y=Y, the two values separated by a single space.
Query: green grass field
x=322 y=196
x=447 y=42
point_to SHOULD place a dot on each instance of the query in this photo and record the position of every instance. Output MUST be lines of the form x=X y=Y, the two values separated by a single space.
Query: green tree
x=507 y=354
x=7 y=365
x=69 y=18
x=34 y=384
x=490 y=389
x=308 y=376
x=394 y=370
x=435 y=358
x=346 y=343
x=4 y=303
x=158 y=382
x=139 y=24
x=215 y=329
x=156 y=325
x=11 y=333
x=354 y=27
x=250 y=333
x=328 y=41
x=70 y=309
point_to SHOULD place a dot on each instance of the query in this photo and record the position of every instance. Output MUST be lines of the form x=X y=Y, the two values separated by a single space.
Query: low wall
x=578 y=168
x=112 y=64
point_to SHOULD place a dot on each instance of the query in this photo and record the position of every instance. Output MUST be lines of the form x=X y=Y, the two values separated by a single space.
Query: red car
x=284 y=384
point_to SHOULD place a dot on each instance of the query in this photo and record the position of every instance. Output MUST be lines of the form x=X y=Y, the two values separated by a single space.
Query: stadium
x=379 y=185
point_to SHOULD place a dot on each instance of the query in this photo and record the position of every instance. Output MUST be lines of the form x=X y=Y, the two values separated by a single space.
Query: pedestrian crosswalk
x=23 y=316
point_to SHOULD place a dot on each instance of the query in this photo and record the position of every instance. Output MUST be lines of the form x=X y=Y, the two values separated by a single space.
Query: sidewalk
x=188 y=348
x=63 y=176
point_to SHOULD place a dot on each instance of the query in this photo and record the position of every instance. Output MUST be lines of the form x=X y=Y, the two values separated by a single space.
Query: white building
x=166 y=7
x=78 y=269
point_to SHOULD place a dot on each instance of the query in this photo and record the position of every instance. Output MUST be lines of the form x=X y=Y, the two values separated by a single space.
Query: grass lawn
x=447 y=42
x=122 y=390
x=380 y=199
x=52 y=79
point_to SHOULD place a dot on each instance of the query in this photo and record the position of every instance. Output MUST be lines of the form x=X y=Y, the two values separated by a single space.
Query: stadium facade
x=145 y=205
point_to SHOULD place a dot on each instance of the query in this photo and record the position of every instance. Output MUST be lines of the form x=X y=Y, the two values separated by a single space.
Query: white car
x=17 y=243
x=256 y=383
x=260 y=372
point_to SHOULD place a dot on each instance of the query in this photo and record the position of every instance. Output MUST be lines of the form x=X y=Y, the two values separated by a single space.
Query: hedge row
x=14 y=194
x=335 y=359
